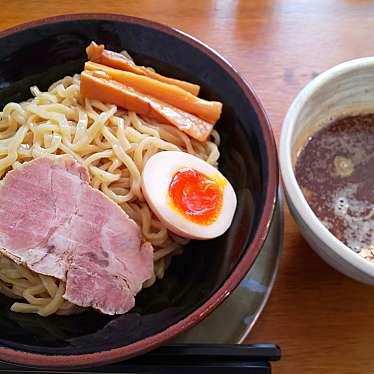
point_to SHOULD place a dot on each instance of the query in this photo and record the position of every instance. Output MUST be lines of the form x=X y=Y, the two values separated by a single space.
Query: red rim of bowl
x=151 y=342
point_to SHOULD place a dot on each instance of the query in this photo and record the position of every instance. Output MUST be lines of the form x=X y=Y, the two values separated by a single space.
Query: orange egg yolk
x=196 y=196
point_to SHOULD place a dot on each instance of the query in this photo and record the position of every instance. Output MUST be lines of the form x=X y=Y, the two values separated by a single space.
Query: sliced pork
x=53 y=222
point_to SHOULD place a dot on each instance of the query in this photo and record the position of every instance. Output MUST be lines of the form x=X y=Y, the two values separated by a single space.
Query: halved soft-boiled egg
x=191 y=197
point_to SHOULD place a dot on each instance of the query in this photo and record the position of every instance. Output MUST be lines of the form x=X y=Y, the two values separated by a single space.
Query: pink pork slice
x=53 y=222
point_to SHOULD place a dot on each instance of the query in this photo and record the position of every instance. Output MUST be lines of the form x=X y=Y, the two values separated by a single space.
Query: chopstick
x=184 y=359
x=268 y=352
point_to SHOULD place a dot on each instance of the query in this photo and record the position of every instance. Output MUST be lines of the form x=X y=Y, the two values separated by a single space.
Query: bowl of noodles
x=43 y=114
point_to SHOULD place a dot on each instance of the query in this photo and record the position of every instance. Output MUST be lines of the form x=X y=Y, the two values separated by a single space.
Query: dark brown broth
x=335 y=170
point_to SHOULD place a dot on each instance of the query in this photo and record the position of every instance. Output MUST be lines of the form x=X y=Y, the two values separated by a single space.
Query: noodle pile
x=114 y=145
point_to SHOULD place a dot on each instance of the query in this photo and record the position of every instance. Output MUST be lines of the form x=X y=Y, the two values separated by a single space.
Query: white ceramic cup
x=345 y=89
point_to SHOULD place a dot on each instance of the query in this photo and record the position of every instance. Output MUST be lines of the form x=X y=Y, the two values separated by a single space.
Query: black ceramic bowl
x=198 y=281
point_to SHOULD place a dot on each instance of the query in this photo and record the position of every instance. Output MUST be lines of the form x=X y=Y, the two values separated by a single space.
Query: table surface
x=321 y=319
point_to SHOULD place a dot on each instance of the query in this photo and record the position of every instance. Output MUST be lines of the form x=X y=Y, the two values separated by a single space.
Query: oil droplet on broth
x=335 y=170
x=341 y=206
x=343 y=166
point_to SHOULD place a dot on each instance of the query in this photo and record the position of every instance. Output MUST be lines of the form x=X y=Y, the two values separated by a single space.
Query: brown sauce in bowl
x=335 y=171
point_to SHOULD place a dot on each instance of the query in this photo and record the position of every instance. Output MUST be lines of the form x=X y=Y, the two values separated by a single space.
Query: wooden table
x=322 y=320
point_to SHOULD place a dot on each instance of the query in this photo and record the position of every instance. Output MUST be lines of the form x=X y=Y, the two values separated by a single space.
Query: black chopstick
x=268 y=352
x=184 y=359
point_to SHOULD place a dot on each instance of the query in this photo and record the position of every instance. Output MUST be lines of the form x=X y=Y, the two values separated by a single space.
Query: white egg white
x=156 y=177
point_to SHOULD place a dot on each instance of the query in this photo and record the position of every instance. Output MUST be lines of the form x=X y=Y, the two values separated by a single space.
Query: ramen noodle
x=114 y=145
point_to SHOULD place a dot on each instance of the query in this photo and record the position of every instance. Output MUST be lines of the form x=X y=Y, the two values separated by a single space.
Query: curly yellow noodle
x=114 y=145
